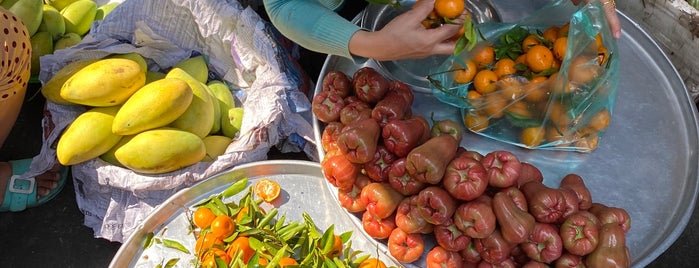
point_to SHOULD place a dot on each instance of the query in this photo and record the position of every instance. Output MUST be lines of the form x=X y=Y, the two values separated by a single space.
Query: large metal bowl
x=303 y=190
x=647 y=161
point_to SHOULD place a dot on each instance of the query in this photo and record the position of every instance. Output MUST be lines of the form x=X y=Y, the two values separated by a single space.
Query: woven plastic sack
x=241 y=49
x=566 y=106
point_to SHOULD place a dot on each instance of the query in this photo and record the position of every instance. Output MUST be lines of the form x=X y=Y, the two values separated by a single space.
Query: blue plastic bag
x=566 y=105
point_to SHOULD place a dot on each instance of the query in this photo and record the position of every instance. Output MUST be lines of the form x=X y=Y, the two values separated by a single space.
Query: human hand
x=609 y=7
x=405 y=37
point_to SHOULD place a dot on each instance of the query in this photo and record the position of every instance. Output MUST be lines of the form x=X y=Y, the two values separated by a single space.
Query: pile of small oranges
x=517 y=79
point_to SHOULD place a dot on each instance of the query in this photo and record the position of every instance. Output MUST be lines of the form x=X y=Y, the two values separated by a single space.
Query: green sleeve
x=313 y=24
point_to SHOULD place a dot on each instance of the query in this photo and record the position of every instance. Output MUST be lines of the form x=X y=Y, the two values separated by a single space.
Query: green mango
x=104 y=10
x=52 y=22
x=31 y=12
x=67 y=40
x=42 y=44
x=59 y=4
x=79 y=16
x=196 y=67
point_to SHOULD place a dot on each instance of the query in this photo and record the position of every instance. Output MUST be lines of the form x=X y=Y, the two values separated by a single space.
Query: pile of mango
x=148 y=121
x=56 y=24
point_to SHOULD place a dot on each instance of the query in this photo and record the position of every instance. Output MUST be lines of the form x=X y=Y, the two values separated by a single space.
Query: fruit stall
x=539 y=142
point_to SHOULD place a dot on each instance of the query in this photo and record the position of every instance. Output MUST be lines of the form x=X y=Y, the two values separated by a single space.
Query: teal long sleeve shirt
x=313 y=24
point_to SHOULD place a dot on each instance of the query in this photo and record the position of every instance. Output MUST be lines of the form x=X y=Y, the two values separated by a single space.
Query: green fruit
x=67 y=40
x=154 y=105
x=231 y=127
x=224 y=100
x=88 y=136
x=52 y=22
x=199 y=117
x=29 y=11
x=59 y=4
x=196 y=67
x=42 y=44
x=152 y=76
x=109 y=156
x=105 y=9
x=79 y=15
x=161 y=150
x=216 y=145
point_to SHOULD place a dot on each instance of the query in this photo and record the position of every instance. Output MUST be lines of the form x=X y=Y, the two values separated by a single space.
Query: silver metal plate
x=303 y=190
x=647 y=160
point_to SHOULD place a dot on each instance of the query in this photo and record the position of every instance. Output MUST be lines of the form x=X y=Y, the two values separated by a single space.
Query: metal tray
x=303 y=190
x=647 y=160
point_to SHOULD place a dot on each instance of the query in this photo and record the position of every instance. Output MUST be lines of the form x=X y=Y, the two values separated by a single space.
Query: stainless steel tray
x=303 y=190
x=647 y=160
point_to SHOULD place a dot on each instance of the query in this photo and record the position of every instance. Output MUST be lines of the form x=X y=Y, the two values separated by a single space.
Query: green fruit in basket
x=79 y=15
x=105 y=9
x=109 y=156
x=52 y=22
x=152 y=106
x=59 y=4
x=29 y=11
x=216 y=145
x=88 y=136
x=152 y=76
x=42 y=44
x=216 y=126
x=199 y=117
x=231 y=127
x=67 y=40
x=161 y=150
x=196 y=67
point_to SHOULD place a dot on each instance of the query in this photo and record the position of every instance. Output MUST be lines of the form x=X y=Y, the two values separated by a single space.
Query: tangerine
x=242 y=213
x=203 y=217
x=207 y=241
x=484 y=81
x=483 y=56
x=532 y=136
x=600 y=120
x=372 y=263
x=209 y=258
x=475 y=122
x=563 y=30
x=465 y=75
x=551 y=33
x=241 y=244
x=222 y=226
x=530 y=41
x=583 y=70
x=287 y=261
x=504 y=66
x=539 y=58
x=560 y=46
x=268 y=190
x=536 y=90
x=449 y=9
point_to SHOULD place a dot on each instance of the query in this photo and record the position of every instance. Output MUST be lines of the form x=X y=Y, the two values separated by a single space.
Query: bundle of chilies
x=409 y=179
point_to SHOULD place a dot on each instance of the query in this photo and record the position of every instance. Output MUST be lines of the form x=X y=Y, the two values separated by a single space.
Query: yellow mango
x=199 y=116
x=79 y=15
x=196 y=67
x=106 y=82
x=154 y=105
x=134 y=57
x=161 y=150
x=216 y=145
x=52 y=89
x=88 y=136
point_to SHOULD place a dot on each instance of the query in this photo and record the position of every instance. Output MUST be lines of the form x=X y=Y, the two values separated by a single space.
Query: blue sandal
x=21 y=193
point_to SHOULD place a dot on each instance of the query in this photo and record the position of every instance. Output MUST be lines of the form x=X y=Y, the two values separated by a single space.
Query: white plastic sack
x=241 y=49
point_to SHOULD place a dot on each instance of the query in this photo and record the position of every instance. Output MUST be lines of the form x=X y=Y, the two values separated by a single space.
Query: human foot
x=45 y=183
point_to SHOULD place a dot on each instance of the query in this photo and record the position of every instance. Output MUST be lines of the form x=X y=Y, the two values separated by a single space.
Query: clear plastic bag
x=535 y=101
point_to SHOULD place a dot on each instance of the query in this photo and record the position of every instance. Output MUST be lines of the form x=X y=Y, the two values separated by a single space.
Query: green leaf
x=523 y=122
x=168 y=243
x=235 y=188
x=327 y=241
x=149 y=240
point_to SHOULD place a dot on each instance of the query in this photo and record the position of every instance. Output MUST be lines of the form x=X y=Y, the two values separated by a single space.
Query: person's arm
x=312 y=25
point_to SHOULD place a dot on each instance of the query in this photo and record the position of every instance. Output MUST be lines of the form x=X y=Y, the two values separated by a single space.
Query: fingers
x=609 y=7
x=421 y=10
